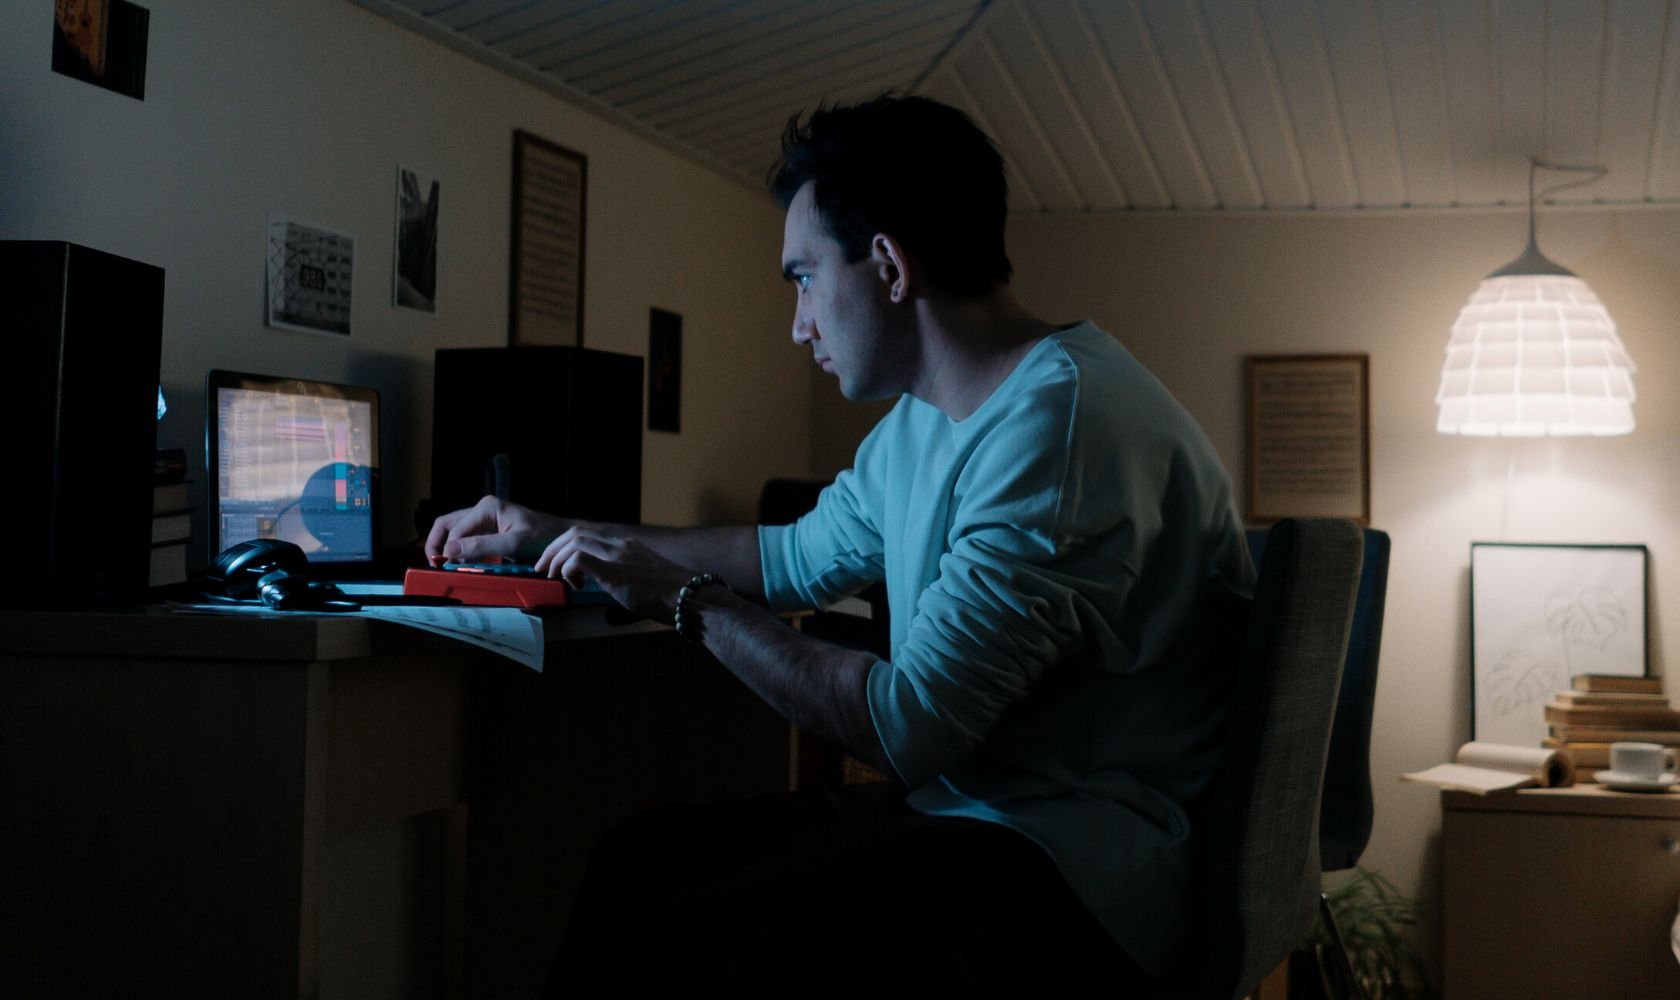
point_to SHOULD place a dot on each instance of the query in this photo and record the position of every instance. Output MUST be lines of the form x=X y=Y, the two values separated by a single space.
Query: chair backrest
x=1345 y=810
x=1258 y=825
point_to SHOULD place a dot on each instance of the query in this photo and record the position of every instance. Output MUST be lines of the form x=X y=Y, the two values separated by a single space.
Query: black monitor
x=294 y=459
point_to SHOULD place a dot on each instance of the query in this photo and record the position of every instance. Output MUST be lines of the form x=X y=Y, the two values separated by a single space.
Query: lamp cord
x=1510 y=476
x=1535 y=163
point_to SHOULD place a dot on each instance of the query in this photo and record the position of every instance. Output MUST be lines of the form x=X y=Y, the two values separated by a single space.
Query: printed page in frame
x=1308 y=437
x=550 y=185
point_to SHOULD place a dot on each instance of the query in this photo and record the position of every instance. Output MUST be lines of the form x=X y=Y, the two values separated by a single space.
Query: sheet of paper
x=509 y=632
x=371 y=588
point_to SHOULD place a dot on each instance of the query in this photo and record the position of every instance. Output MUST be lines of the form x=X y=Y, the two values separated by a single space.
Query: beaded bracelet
x=687 y=620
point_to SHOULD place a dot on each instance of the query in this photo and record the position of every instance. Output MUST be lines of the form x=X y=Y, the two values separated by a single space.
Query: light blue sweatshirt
x=1059 y=567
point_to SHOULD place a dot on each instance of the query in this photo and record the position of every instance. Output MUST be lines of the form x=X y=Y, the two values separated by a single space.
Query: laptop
x=298 y=460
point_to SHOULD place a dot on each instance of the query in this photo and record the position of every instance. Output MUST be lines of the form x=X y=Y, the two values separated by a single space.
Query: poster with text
x=309 y=277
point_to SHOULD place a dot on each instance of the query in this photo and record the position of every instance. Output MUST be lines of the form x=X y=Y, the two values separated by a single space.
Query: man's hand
x=492 y=528
x=634 y=574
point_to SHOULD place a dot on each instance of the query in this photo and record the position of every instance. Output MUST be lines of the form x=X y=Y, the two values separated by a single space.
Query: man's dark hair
x=917 y=170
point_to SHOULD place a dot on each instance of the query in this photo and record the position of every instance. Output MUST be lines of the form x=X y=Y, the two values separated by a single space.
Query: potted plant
x=1376 y=922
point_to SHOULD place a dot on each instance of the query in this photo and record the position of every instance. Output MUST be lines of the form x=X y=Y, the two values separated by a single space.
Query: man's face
x=842 y=310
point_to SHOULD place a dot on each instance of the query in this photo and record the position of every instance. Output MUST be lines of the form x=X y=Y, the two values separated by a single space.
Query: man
x=1059 y=546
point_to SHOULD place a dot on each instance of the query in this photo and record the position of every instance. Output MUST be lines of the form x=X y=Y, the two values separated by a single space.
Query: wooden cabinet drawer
x=1559 y=904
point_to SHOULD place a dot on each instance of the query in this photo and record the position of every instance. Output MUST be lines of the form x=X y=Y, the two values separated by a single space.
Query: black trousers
x=814 y=895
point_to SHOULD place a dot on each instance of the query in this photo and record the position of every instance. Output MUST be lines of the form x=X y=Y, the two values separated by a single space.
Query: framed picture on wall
x=550 y=185
x=414 y=264
x=664 y=408
x=310 y=276
x=102 y=42
x=1309 y=436
x=1540 y=615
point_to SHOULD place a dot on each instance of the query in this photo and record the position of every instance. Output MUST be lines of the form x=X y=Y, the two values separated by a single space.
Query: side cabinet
x=1561 y=893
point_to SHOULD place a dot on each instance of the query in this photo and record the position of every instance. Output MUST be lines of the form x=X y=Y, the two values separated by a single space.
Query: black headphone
x=276 y=573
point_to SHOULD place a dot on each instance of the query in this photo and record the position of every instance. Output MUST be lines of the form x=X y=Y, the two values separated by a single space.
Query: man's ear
x=892 y=265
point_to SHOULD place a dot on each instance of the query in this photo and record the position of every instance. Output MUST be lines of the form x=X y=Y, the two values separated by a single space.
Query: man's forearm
x=819 y=687
x=729 y=552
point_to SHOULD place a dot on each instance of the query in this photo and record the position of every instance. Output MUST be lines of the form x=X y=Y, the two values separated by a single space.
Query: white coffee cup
x=1644 y=761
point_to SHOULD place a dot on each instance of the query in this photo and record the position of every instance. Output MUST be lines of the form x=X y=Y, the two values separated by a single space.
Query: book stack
x=1601 y=709
x=171 y=518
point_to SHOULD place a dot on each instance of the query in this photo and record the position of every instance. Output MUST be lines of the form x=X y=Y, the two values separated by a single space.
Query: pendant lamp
x=1534 y=353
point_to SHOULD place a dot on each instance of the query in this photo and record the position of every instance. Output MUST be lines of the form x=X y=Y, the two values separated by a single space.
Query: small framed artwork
x=1309 y=436
x=664 y=371
x=102 y=42
x=1540 y=615
x=414 y=279
x=310 y=272
x=550 y=185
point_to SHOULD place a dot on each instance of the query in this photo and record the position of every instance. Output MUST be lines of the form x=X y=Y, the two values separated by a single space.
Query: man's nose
x=804 y=331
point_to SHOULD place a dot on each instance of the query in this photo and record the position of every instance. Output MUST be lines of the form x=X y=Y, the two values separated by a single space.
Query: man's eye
x=803 y=281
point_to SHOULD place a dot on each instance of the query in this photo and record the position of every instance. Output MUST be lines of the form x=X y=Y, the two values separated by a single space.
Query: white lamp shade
x=1533 y=355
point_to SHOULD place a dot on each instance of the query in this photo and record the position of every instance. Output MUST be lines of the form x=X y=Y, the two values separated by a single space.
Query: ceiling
x=1142 y=105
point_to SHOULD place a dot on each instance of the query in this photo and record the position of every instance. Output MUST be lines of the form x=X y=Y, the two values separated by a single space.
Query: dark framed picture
x=414 y=268
x=1309 y=436
x=1539 y=616
x=550 y=188
x=664 y=371
x=102 y=42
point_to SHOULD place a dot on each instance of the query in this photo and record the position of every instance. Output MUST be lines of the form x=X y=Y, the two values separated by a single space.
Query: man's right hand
x=492 y=528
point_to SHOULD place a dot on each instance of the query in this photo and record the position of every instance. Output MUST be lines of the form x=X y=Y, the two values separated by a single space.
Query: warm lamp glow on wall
x=1534 y=353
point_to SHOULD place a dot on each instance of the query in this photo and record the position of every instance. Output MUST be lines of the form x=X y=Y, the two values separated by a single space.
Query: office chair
x=1258 y=822
x=1345 y=808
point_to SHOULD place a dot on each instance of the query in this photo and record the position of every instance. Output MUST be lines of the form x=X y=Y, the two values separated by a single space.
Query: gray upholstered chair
x=1346 y=808
x=1258 y=823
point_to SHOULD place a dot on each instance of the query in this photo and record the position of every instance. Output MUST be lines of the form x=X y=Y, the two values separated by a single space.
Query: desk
x=207 y=805
x=1560 y=893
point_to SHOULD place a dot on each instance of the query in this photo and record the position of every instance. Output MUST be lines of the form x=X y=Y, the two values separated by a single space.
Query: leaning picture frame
x=550 y=189
x=1541 y=614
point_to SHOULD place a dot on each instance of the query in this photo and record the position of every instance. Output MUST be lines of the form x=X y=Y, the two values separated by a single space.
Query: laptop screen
x=296 y=460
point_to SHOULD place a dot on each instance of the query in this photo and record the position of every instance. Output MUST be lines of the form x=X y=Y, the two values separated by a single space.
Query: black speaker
x=80 y=335
x=558 y=429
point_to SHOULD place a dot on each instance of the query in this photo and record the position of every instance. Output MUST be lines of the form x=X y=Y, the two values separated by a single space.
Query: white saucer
x=1629 y=783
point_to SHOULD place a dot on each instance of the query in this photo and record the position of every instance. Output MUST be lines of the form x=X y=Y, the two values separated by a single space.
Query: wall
x=307 y=107
x=1192 y=295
